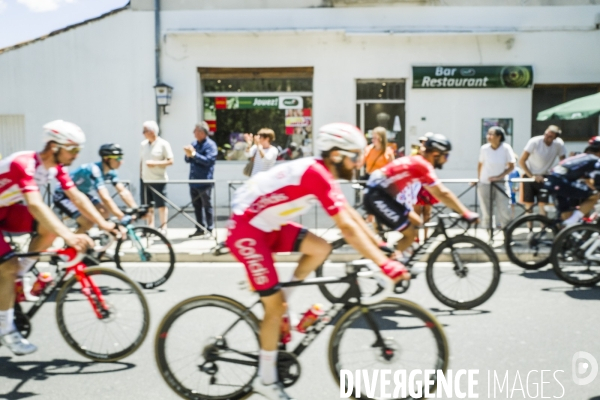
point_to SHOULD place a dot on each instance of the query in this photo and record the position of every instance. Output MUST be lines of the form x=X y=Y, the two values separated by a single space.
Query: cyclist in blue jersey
x=575 y=183
x=91 y=180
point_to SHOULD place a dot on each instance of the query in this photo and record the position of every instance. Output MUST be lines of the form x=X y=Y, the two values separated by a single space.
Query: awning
x=584 y=107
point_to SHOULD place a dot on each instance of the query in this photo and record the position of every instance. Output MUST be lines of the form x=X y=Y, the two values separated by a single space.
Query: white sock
x=25 y=265
x=7 y=321
x=573 y=219
x=267 y=366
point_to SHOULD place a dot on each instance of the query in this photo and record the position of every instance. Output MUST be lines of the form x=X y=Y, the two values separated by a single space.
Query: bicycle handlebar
x=376 y=273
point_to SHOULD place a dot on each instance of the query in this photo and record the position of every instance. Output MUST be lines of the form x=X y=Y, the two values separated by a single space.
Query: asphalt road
x=534 y=322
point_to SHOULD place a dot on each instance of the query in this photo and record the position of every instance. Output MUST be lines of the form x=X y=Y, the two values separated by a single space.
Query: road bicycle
x=145 y=254
x=207 y=347
x=575 y=255
x=462 y=271
x=528 y=240
x=101 y=313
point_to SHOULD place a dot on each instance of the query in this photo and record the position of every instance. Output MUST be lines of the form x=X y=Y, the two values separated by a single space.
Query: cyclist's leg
x=84 y=223
x=408 y=237
x=294 y=237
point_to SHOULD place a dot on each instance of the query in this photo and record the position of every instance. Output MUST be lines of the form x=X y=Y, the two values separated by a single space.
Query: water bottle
x=19 y=294
x=42 y=281
x=310 y=317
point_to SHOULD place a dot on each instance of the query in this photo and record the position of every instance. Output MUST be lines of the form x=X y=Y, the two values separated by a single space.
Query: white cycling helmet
x=342 y=136
x=63 y=132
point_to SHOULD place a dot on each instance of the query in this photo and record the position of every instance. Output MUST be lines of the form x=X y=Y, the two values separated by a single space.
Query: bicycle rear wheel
x=124 y=317
x=529 y=239
x=198 y=343
x=463 y=272
x=410 y=338
x=569 y=258
x=147 y=257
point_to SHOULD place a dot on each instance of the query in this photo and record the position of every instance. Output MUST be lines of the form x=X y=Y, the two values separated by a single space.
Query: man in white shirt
x=155 y=156
x=538 y=158
x=496 y=161
x=263 y=152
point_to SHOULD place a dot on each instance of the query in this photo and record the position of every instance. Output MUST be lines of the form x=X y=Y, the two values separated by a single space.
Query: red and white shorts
x=254 y=248
x=14 y=219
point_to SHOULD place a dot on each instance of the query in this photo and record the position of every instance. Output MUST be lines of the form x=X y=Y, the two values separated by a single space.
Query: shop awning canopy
x=583 y=107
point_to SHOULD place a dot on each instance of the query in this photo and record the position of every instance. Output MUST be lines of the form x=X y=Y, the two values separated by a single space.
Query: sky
x=23 y=20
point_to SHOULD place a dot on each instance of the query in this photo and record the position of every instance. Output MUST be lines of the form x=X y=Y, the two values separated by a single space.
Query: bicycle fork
x=92 y=293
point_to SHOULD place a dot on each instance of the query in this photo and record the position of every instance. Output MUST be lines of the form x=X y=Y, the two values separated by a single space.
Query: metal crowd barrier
x=181 y=210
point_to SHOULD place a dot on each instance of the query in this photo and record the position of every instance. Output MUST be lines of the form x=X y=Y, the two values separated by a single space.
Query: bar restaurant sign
x=477 y=77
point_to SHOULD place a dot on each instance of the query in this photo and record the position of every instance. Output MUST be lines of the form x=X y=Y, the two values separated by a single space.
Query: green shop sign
x=252 y=102
x=464 y=77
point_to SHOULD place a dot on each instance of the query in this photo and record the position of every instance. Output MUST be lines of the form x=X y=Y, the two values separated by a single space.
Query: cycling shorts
x=254 y=248
x=14 y=219
x=385 y=208
x=568 y=194
x=66 y=206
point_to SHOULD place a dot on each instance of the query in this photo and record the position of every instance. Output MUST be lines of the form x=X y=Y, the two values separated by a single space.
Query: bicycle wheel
x=147 y=257
x=463 y=272
x=198 y=342
x=333 y=291
x=529 y=239
x=124 y=317
x=569 y=258
x=411 y=339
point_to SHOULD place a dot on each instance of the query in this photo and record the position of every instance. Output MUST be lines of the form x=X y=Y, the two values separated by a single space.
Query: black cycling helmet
x=110 y=149
x=437 y=141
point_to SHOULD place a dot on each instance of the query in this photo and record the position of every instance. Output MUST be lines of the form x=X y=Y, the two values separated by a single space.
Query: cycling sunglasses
x=72 y=149
x=354 y=157
x=118 y=158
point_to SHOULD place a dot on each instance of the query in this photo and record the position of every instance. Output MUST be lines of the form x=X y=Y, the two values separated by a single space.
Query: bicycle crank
x=288 y=368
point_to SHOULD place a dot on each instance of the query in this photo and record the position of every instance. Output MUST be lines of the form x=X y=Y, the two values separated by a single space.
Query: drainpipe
x=157 y=50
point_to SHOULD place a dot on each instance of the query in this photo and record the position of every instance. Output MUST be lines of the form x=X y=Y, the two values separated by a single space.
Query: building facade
x=411 y=66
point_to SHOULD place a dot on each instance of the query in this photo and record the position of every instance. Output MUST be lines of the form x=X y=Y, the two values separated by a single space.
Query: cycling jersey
x=577 y=167
x=89 y=178
x=263 y=208
x=404 y=178
x=23 y=172
x=563 y=180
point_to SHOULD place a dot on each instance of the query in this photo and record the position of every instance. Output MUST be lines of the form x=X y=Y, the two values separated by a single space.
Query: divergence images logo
x=584 y=363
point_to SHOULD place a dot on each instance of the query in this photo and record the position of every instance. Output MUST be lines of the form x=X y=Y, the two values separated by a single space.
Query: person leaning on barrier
x=201 y=156
x=538 y=157
x=496 y=161
x=155 y=156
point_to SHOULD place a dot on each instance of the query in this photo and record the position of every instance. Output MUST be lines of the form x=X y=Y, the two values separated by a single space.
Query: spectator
x=156 y=155
x=201 y=156
x=377 y=154
x=262 y=151
x=514 y=188
x=538 y=157
x=496 y=161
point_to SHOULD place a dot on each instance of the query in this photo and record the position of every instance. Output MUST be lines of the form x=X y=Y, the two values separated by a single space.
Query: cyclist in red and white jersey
x=261 y=225
x=393 y=190
x=21 y=176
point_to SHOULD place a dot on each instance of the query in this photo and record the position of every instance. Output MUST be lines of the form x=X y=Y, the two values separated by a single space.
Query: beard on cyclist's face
x=439 y=160
x=66 y=158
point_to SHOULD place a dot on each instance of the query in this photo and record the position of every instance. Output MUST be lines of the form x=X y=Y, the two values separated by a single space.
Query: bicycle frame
x=328 y=317
x=136 y=241
x=87 y=285
x=440 y=229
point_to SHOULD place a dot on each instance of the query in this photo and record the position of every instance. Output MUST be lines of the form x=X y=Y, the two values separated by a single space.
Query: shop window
x=546 y=96
x=382 y=103
x=244 y=100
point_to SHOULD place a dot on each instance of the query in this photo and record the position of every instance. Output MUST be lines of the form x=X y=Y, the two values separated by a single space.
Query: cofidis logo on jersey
x=468 y=384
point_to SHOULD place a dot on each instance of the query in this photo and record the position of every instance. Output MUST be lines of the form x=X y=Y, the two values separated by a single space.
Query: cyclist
x=261 y=225
x=21 y=176
x=574 y=183
x=393 y=190
x=90 y=179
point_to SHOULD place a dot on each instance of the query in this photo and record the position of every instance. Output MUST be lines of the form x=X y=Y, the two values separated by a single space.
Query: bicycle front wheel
x=104 y=317
x=146 y=256
x=529 y=239
x=207 y=347
x=395 y=334
x=463 y=272
x=576 y=255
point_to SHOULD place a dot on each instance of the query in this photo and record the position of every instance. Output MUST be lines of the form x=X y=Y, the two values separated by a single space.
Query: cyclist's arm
x=86 y=207
x=357 y=238
x=44 y=215
x=445 y=195
x=109 y=203
x=362 y=224
x=126 y=195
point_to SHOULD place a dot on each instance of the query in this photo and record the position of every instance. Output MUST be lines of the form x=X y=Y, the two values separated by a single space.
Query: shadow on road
x=540 y=274
x=450 y=312
x=25 y=371
x=578 y=293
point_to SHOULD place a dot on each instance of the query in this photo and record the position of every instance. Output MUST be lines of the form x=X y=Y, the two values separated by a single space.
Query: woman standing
x=377 y=154
x=262 y=152
x=496 y=161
